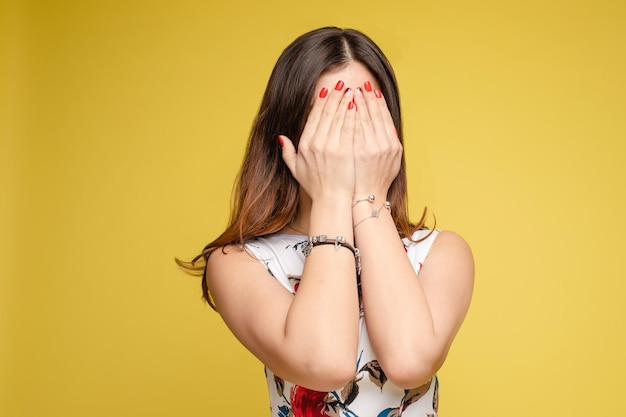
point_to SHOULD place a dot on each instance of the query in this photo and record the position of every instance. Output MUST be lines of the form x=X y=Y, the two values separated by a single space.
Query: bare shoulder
x=451 y=257
x=226 y=261
x=228 y=272
x=238 y=283
x=227 y=257
x=450 y=242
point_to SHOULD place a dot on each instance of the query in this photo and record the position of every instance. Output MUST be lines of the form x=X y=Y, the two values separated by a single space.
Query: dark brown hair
x=265 y=196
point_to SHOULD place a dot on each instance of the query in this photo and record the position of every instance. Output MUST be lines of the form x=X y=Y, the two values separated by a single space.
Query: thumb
x=289 y=153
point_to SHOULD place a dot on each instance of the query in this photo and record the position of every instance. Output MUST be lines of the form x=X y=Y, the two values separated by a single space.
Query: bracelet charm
x=375 y=213
x=339 y=241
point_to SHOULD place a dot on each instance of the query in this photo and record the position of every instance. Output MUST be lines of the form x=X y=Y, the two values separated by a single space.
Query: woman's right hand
x=324 y=163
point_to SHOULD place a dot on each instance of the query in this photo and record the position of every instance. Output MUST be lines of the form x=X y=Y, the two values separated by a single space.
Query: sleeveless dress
x=370 y=393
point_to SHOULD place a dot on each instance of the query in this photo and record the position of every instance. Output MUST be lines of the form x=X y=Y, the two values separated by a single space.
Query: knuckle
x=374 y=152
x=315 y=147
x=304 y=148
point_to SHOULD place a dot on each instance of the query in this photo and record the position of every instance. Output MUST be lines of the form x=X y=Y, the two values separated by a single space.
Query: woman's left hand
x=377 y=149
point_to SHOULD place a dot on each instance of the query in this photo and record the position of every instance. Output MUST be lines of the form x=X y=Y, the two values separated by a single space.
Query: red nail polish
x=280 y=140
x=368 y=86
x=377 y=93
x=323 y=92
x=339 y=85
x=351 y=105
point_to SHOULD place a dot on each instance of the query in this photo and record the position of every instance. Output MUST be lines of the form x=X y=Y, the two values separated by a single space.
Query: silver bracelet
x=339 y=241
x=370 y=199
x=376 y=213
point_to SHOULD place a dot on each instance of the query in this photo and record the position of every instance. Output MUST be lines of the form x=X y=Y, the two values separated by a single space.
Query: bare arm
x=309 y=338
x=411 y=320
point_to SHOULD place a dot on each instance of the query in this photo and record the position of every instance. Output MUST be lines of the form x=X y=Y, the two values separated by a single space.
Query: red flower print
x=295 y=281
x=307 y=403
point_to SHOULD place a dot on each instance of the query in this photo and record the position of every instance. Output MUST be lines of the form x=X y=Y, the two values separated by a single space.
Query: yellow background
x=123 y=125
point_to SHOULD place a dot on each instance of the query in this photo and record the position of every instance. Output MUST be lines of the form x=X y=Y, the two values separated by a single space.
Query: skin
x=347 y=152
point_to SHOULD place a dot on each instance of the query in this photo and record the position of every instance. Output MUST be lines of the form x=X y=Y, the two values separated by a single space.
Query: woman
x=320 y=274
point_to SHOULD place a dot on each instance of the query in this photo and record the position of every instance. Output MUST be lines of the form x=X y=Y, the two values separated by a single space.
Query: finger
x=349 y=124
x=336 y=128
x=387 y=129
x=365 y=128
x=388 y=122
x=331 y=107
x=315 y=114
x=372 y=99
x=288 y=153
x=359 y=140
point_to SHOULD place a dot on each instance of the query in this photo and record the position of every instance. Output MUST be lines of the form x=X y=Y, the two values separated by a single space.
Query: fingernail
x=339 y=85
x=377 y=93
x=368 y=86
x=280 y=140
x=351 y=105
x=359 y=92
x=323 y=92
x=348 y=92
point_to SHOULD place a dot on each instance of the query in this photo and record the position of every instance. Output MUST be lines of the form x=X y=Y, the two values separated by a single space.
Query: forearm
x=323 y=318
x=399 y=319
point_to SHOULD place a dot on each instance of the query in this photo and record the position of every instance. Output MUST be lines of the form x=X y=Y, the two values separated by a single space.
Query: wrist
x=368 y=198
x=369 y=208
x=332 y=217
x=332 y=202
x=379 y=194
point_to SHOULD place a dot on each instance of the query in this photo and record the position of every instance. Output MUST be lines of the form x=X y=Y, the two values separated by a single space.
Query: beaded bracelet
x=339 y=241
x=370 y=199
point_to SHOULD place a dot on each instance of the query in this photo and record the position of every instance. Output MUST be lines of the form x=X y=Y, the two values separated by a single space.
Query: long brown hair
x=265 y=196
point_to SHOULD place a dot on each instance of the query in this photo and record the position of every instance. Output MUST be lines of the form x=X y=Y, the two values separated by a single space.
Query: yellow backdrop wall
x=123 y=125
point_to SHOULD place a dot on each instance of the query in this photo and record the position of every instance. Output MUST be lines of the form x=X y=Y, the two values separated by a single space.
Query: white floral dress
x=370 y=393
